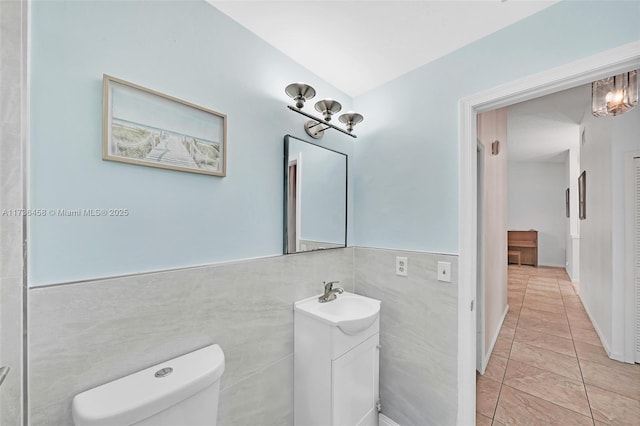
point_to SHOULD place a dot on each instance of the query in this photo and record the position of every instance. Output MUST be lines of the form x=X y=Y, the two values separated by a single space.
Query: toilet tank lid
x=142 y=394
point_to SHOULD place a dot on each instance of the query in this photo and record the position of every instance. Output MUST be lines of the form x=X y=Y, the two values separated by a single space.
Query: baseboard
x=618 y=357
x=604 y=342
x=576 y=287
x=548 y=265
x=386 y=421
x=485 y=359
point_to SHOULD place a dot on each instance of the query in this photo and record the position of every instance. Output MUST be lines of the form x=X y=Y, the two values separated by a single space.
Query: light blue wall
x=406 y=169
x=185 y=49
x=405 y=174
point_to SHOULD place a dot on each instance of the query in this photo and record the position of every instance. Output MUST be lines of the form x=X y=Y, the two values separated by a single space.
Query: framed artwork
x=148 y=128
x=567 y=203
x=582 y=194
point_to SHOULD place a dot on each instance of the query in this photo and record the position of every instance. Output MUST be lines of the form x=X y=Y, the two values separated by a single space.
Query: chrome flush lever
x=3 y=374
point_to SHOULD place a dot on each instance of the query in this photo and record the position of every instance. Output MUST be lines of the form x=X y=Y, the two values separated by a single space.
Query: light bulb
x=615 y=97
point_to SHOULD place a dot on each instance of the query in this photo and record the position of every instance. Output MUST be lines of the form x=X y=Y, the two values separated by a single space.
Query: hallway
x=548 y=366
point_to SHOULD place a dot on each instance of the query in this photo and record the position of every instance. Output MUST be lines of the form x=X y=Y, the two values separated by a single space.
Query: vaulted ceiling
x=359 y=45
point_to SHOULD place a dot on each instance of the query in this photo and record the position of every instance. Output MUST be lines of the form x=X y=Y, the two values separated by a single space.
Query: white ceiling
x=359 y=45
x=543 y=129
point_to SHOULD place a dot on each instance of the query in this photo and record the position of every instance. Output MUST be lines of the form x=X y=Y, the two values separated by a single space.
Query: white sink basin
x=351 y=313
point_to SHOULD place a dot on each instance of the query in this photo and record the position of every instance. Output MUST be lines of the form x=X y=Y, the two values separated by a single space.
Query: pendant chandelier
x=614 y=95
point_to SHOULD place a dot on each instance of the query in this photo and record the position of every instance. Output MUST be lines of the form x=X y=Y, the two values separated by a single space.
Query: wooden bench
x=516 y=254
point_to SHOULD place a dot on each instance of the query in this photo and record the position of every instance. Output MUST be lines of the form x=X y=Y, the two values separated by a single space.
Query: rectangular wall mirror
x=315 y=197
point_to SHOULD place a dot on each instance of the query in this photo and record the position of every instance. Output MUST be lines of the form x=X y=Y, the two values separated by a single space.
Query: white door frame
x=481 y=362
x=630 y=305
x=583 y=71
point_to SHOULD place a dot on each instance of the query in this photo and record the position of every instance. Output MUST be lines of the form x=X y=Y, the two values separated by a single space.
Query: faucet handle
x=328 y=286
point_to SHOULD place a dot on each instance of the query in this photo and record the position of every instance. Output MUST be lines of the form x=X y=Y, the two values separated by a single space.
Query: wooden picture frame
x=582 y=196
x=144 y=127
x=567 y=202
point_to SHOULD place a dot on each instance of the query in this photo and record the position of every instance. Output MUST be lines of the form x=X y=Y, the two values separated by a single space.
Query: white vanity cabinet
x=336 y=374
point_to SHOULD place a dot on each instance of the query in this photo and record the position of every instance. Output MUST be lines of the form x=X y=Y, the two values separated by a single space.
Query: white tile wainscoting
x=13 y=92
x=86 y=334
x=418 y=334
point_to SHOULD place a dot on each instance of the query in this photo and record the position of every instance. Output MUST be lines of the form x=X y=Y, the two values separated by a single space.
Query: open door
x=293 y=204
x=491 y=278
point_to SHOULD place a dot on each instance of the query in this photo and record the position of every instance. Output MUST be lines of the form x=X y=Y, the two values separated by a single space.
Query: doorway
x=636 y=251
x=481 y=362
x=570 y=75
x=293 y=203
x=632 y=256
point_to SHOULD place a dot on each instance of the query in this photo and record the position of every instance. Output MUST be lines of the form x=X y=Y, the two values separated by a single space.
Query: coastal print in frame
x=145 y=127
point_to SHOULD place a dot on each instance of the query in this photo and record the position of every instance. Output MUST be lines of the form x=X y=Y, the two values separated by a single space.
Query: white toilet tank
x=183 y=391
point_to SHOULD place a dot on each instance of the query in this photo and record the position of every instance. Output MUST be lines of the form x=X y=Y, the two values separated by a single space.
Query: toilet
x=182 y=391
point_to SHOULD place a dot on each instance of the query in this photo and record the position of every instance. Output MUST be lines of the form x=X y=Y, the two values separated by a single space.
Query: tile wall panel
x=86 y=334
x=12 y=138
x=418 y=334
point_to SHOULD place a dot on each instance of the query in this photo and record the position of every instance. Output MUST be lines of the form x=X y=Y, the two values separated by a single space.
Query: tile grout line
x=565 y=313
x=510 y=350
x=515 y=329
x=573 y=342
x=598 y=362
x=544 y=399
x=495 y=408
x=562 y=296
x=562 y=407
x=576 y=351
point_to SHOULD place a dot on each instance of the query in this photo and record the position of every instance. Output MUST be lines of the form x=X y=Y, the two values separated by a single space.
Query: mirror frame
x=285 y=221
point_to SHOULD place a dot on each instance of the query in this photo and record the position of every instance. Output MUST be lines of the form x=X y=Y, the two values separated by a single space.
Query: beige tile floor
x=548 y=366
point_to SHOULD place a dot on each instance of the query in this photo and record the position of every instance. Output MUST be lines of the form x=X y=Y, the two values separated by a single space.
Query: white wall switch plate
x=402 y=266
x=444 y=271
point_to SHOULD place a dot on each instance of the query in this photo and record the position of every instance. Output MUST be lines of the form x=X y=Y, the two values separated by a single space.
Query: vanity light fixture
x=327 y=107
x=614 y=95
x=301 y=92
x=351 y=119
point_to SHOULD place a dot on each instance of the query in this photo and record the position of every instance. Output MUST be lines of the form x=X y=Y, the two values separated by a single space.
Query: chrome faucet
x=330 y=292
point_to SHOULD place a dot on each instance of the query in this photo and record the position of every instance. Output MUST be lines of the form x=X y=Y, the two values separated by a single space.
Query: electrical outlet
x=402 y=266
x=444 y=271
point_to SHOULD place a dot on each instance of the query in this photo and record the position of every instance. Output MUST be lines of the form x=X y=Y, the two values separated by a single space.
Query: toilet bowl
x=182 y=391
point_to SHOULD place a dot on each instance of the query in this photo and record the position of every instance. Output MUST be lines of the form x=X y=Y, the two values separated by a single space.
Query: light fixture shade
x=300 y=92
x=351 y=119
x=328 y=107
x=614 y=95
